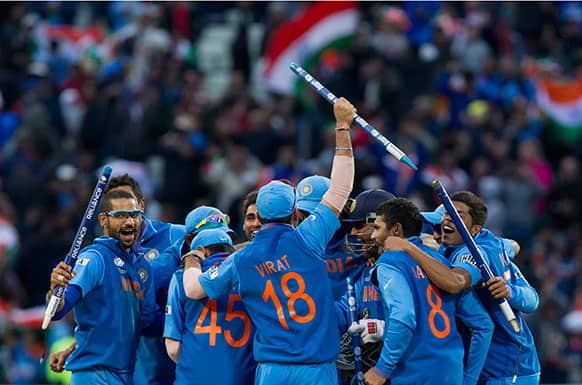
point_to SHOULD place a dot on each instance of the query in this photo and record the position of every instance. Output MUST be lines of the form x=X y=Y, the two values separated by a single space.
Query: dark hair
x=125 y=180
x=403 y=211
x=477 y=208
x=115 y=194
x=219 y=248
x=250 y=199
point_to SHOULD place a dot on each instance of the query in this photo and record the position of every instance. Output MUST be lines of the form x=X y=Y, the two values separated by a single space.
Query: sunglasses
x=213 y=221
x=124 y=214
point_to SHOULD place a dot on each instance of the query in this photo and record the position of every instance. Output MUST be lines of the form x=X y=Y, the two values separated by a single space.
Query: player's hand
x=371 y=378
x=356 y=327
x=429 y=241
x=498 y=288
x=344 y=113
x=57 y=360
x=373 y=330
x=61 y=275
x=396 y=244
x=192 y=258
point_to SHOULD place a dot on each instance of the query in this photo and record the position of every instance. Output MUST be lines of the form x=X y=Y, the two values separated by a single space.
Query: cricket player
x=111 y=294
x=512 y=357
x=420 y=333
x=251 y=222
x=211 y=341
x=282 y=276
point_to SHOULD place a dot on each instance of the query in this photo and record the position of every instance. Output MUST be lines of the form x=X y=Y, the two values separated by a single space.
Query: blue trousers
x=533 y=379
x=101 y=376
x=285 y=374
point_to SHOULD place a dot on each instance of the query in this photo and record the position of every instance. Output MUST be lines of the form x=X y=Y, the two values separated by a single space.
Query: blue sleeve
x=150 y=312
x=72 y=295
x=177 y=233
x=472 y=313
x=508 y=248
x=219 y=280
x=342 y=312
x=464 y=260
x=523 y=296
x=400 y=317
x=318 y=228
x=90 y=270
x=165 y=265
x=174 y=325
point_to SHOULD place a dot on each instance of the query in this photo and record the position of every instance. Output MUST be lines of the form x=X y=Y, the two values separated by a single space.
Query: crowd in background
x=449 y=83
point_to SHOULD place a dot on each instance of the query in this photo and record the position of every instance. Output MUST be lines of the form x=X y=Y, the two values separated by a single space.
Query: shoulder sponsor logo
x=152 y=254
x=467 y=258
x=82 y=261
x=213 y=272
x=118 y=262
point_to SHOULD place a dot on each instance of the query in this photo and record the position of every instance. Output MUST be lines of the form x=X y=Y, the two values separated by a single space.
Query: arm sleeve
x=465 y=261
x=165 y=265
x=220 y=279
x=177 y=233
x=318 y=228
x=342 y=312
x=152 y=317
x=72 y=296
x=90 y=270
x=472 y=313
x=400 y=317
x=523 y=296
x=174 y=325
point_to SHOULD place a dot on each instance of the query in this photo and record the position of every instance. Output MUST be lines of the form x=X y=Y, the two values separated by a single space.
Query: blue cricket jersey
x=285 y=287
x=117 y=302
x=510 y=353
x=421 y=342
x=153 y=366
x=216 y=335
x=342 y=264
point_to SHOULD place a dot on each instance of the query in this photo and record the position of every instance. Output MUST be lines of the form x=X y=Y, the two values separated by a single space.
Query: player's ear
x=102 y=218
x=396 y=230
x=475 y=229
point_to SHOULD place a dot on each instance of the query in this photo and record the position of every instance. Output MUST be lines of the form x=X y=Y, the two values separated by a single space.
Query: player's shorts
x=101 y=376
x=533 y=379
x=285 y=374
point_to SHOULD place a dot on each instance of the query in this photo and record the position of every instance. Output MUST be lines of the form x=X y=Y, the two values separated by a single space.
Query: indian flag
x=321 y=26
x=561 y=102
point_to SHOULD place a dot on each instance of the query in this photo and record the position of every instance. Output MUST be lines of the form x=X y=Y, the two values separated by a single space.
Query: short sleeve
x=465 y=261
x=174 y=318
x=219 y=280
x=89 y=270
x=318 y=228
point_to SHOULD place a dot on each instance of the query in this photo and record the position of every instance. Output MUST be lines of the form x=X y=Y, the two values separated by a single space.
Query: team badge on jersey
x=213 y=272
x=152 y=254
x=143 y=274
x=82 y=261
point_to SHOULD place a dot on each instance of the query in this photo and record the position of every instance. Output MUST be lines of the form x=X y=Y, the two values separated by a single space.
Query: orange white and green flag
x=561 y=102
x=320 y=27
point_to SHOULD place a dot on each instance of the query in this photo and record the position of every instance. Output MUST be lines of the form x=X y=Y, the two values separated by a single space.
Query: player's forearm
x=191 y=279
x=342 y=171
x=524 y=298
x=173 y=348
x=445 y=278
x=70 y=298
x=396 y=340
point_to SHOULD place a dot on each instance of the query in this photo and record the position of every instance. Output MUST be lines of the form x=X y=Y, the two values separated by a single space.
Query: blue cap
x=434 y=217
x=310 y=191
x=204 y=217
x=366 y=203
x=275 y=200
x=210 y=237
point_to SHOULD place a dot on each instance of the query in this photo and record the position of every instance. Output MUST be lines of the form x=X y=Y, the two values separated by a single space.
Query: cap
x=367 y=202
x=210 y=237
x=310 y=191
x=205 y=217
x=434 y=217
x=275 y=200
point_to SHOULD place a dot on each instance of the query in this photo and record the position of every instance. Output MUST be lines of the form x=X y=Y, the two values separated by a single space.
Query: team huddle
x=158 y=303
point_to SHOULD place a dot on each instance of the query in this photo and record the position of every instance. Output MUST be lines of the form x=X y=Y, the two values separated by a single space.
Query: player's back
x=286 y=290
x=435 y=353
x=217 y=342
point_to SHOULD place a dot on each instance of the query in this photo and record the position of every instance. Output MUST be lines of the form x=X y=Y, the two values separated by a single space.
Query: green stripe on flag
x=562 y=133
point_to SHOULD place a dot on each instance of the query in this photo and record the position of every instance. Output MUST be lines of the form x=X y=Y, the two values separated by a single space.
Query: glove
x=373 y=330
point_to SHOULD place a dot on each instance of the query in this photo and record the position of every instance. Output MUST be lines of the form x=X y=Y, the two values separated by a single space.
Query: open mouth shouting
x=127 y=234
